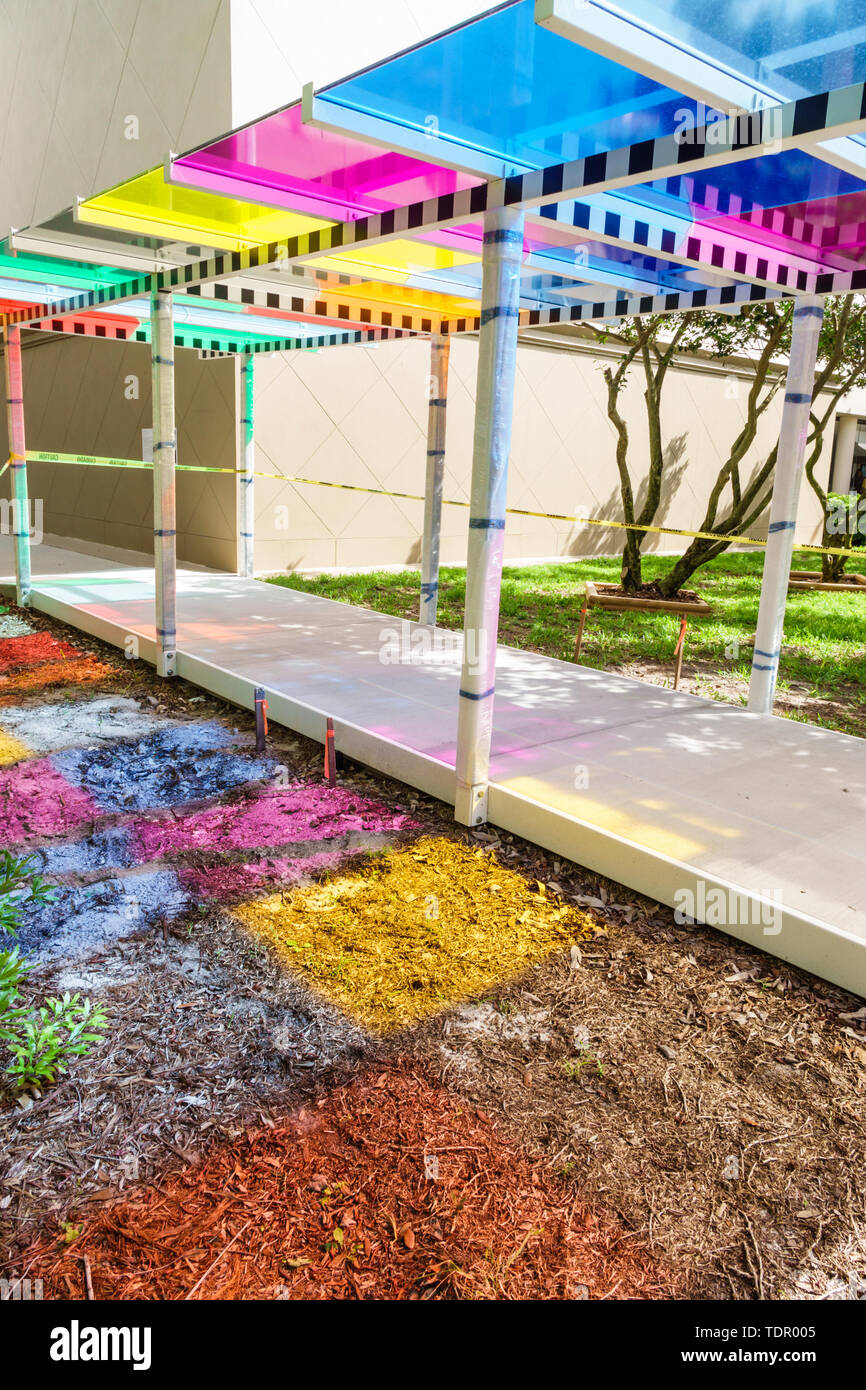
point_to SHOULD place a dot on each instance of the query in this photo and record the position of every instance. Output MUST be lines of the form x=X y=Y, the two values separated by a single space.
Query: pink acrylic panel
x=279 y=160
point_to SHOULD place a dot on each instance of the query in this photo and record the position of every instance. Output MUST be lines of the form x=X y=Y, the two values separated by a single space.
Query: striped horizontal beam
x=216 y=347
x=377 y=314
x=321 y=340
x=87 y=328
x=629 y=306
x=691 y=245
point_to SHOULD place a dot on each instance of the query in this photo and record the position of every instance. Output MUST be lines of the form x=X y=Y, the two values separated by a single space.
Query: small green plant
x=40 y=1040
x=46 y=1038
x=573 y=1066
x=18 y=885
x=13 y=971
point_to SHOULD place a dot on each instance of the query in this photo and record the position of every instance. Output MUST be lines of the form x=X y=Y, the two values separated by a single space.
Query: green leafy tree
x=844 y=368
x=759 y=335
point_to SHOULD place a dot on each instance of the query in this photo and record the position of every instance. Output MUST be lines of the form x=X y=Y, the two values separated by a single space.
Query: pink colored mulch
x=232 y=882
x=282 y=816
x=35 y=801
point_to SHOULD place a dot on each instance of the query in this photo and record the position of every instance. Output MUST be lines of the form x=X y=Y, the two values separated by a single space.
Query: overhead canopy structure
x=610 y=125
x=547 y=163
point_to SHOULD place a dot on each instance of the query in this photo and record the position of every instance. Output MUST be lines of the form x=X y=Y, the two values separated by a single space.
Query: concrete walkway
x=752 y=823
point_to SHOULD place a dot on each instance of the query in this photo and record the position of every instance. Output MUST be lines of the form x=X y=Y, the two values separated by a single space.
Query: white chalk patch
x=47 y=728
x=484 y=1019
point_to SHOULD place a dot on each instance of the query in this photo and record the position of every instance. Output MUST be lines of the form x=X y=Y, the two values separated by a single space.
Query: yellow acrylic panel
x=407 y=297
x=149 y=206
x=401 y=257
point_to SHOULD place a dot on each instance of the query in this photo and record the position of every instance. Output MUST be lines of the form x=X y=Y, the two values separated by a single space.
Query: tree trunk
x=630 y=574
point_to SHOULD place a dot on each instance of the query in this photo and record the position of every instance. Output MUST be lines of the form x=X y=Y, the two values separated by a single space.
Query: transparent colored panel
x=408 y=296
x=503 y=85
x=791 y=46
x=149 y=205
x=66 y=275
x=283 y=161
x=791 y=201
x=400 y=257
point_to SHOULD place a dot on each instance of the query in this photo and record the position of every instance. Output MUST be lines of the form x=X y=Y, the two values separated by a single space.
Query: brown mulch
x=769 y=1069
x=710 y=1097
x=388 y=1188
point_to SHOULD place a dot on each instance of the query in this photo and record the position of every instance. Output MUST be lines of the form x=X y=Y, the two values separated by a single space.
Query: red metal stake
x=330 y=755
x=261 y=720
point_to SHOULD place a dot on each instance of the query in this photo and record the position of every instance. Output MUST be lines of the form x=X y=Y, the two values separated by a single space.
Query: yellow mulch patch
x=415 y=930
x=11 y=750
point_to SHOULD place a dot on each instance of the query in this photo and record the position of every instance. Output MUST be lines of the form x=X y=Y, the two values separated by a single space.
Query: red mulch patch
x=345 y=1200
x=33 y=649
x=83 y=671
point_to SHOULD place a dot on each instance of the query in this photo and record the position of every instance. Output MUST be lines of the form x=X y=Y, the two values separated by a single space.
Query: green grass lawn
x=823 y=669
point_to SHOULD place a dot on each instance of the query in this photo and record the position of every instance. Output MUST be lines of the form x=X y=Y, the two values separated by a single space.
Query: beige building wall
x=85 y=396
x=73 y=73
x=358 y=415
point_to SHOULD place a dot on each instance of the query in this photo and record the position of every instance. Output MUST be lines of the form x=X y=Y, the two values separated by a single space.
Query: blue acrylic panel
x=504 y=85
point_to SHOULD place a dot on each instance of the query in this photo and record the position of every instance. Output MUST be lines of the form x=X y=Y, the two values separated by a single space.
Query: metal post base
x=470 y=804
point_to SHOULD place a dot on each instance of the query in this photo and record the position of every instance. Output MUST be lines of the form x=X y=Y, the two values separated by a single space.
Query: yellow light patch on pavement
x=415 y=930
x=12 y=750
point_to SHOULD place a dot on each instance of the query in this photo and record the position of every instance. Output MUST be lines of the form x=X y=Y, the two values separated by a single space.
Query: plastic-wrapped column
x=164 y=463
x=18 y=464
x=808 y=316
x=438 y=398
x=246 y=481
x=494 y=399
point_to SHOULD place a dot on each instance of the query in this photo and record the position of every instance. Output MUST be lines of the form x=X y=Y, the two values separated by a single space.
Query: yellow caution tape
x=35 y=457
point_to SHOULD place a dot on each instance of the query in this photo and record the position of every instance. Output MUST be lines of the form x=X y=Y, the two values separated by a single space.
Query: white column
x=843 y=453
x=164 y=498
x=808 y=316
x=438 y=395
x=497 y=362
x=246 y=481
x=20 y=509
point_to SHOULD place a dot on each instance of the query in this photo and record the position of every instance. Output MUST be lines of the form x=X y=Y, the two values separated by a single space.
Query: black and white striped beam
x=223 y=347
x=378 y=314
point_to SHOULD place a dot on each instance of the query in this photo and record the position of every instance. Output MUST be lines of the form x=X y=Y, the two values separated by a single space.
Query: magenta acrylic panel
x=279 y=160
